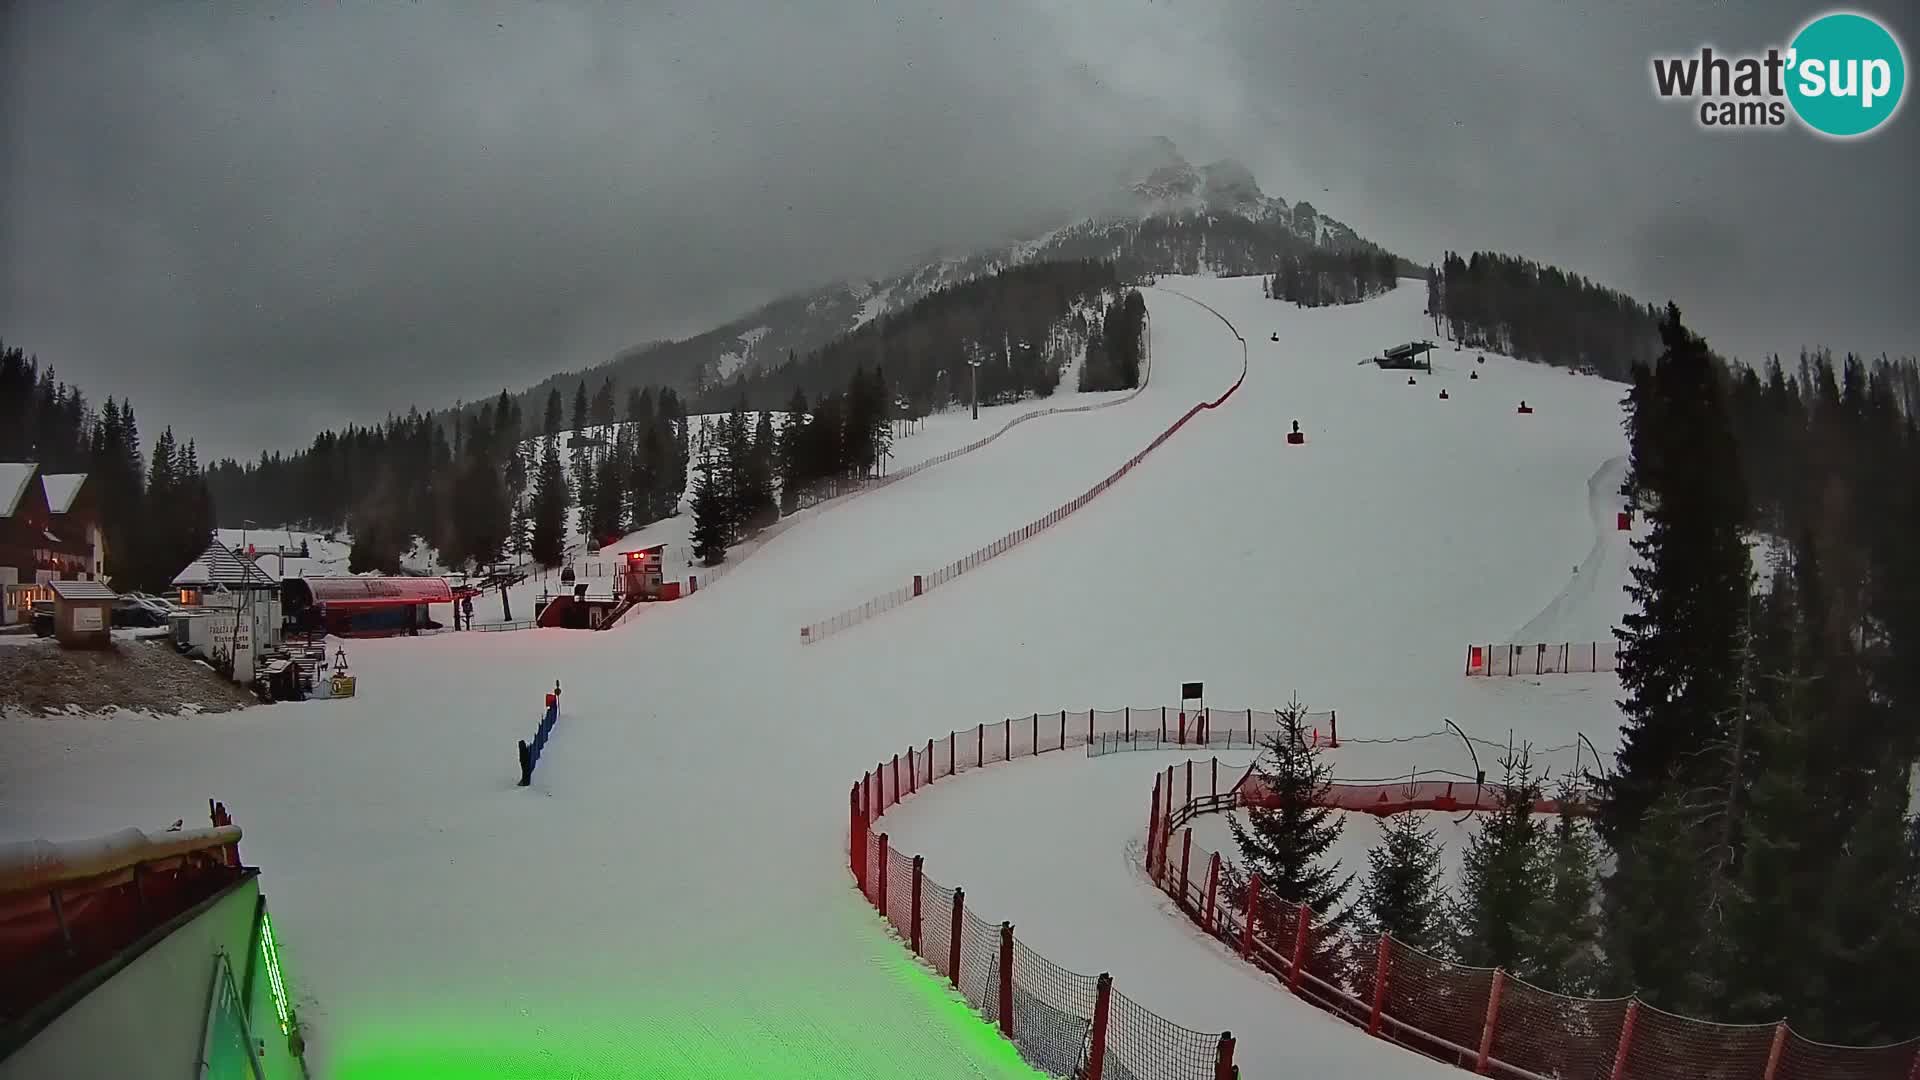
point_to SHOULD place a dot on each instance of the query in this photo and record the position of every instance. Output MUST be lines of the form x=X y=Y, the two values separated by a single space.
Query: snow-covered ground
x=669 y=896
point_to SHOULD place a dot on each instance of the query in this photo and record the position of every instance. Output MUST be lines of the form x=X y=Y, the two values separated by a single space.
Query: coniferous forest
x=1754 y=853
x=1520 y=308
x=156 y=510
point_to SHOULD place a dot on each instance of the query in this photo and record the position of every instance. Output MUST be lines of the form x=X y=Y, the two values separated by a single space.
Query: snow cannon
x=1473 y=375
x=1410 y=380
x=1525 y=408
x=1294 y=437
x=1443 y=393
x=1275 y=336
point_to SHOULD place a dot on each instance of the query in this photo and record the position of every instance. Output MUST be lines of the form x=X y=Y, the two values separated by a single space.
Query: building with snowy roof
x=49 y=531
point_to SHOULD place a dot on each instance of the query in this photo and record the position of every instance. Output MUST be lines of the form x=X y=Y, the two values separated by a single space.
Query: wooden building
x=83 y=614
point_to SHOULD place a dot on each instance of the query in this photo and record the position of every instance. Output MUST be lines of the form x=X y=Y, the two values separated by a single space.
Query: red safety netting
x=927 y=582
x=1053 y=1010
x=1452 y=1012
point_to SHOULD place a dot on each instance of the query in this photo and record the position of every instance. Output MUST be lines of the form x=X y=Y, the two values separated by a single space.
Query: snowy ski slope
x=669 y=897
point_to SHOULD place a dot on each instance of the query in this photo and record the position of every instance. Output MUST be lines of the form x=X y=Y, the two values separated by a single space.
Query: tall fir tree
x=1504 y=880
x=710 y=509
x=547 y=541
x=1403 y=894
x=1288 y=844
x=1680 y=648
x=1568 y=960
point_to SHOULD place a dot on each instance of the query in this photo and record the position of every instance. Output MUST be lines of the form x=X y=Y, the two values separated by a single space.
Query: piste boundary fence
x=1061 y=1022
x=1482 y=1019
x=1544 y=658
x=923 y=583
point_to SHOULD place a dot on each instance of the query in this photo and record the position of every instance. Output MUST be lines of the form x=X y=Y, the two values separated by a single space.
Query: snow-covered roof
x=81 y=590
x=61 y=489
x=218 y=565
x=14 y=476
x=351 y=592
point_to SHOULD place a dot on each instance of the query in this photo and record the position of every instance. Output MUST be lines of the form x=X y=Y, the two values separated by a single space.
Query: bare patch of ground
x=144 y=676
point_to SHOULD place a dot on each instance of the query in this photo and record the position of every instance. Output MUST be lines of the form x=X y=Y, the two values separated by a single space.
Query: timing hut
x=1414 y=355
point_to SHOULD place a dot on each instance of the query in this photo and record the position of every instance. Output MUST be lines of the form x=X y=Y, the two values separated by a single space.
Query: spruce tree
x=548 y=525
x=1504 y=880
x=550 y=418
x=1568 y=960
x=788 y=456
x=1286 y=844
x=1680 y=648
x=1403 y=894
x=579 y=406
x=710 y=509
x=1655 y=932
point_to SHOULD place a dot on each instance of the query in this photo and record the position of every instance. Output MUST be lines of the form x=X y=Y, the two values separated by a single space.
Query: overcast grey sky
x=259 y=220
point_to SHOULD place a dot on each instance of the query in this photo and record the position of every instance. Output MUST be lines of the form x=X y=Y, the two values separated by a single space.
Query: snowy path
x=1585 y=610
x=669 y=897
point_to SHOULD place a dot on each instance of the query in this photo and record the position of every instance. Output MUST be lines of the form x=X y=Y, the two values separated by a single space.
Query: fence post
x=1089 y=725
x=1127 y=727
x=1223 y=1068
x=1163 y=723
x=1009 y=740
x=1186 y=853
x=913 y=774
x=914 y=916
x=1380 y=965
x=1213 y=887
x=896 y=778
x=1216 y=778
x=884 y=875
x=1626 y=1040
x=1182 y=733
x=1773 y=1052
x=1006 y=979
x=1063 y=729
x=1253 y=912
x=1153 y=827
x=1333 y=724
x=1189 y=801
x=951 y=764
x=916 y=585
x=980 y=750
x=857 y=842
x=953 y=933
x=1493 y=1021
x=933 y=770
x=1097 y=1038
x=1303 y=919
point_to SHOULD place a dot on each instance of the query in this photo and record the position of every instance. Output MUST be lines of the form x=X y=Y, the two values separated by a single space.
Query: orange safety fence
x=924 y=583
x=1544 y=658
x=1062 y=1022
x=1481 y=1019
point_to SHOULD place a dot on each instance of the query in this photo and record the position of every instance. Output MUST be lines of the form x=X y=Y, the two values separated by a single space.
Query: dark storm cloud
x=258 y=221
x=1532 y=128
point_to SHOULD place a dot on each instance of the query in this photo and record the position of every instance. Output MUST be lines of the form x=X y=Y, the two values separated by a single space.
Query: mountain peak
x=1159 y=179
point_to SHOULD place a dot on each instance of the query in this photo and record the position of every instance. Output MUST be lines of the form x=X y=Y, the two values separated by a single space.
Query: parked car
x=43 y=618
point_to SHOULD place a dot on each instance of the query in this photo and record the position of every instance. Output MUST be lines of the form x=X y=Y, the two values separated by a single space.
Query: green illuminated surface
x=758 y=1028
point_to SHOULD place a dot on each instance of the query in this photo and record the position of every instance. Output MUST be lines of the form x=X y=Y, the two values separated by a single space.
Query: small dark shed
x=82 y=614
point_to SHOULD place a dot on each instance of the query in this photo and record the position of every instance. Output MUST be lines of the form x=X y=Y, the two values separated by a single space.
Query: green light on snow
x=756 y=1027
x=270 y=952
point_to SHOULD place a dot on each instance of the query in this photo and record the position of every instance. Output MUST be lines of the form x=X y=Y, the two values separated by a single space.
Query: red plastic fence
x=923 y=583
x=1062 y=1022
x=1481 y=1019
x=1543 y=658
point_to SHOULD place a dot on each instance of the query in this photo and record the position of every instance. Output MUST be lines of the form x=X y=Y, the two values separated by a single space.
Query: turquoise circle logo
x=1847 y=75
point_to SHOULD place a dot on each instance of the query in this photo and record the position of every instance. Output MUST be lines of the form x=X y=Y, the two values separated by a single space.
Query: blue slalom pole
x=530 y=753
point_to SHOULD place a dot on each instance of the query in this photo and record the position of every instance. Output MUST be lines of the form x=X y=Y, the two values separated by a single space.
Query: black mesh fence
x=1142 y=1044
x=1052 y=1012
